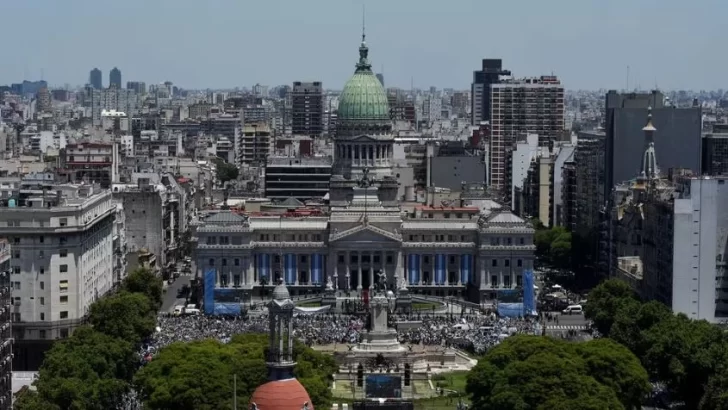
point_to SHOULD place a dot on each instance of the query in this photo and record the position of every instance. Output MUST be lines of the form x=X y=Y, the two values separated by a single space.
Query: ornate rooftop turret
x=649 y=168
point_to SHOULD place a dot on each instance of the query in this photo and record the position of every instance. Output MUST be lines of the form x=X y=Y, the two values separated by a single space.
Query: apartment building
x=307 y=108
x=520 y=107
x=302 y=178
x=253 y=144
x=6 y=336
x=89 y=162
x=61 y=261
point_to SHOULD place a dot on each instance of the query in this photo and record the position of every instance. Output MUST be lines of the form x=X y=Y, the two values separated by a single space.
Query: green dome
x=363 y=98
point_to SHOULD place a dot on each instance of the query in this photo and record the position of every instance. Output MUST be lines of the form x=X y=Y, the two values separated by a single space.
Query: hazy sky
x=228 y=43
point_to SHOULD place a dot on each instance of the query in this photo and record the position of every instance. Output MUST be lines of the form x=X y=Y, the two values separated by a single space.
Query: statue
x=253 y=406
x=364 y=181
x=329 y=284
x=381 y=285
x=305 y=406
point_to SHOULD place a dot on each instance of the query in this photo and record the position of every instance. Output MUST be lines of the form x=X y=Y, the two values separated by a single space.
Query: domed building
x=282 y=391
x=364 y=139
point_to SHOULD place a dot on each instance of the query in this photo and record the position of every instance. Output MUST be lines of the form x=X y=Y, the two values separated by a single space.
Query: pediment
x=366 y=234
x=363 y=138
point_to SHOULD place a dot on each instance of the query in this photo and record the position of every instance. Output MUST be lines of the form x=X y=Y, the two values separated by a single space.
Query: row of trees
x=553 y=245
x=94 y=367
x=536 y=372
x=199 y=375
x=690 y=357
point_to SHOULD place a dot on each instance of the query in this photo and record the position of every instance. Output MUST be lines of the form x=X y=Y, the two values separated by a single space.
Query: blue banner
x=510 y=309
x=466 y=269
x=290 y=268
x=227 y=309
x=529 y=293
x=440 y=268
x=413 y=268
x=317 y=263
x=209 y=299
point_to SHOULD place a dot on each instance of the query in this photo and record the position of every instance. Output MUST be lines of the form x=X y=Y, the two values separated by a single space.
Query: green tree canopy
x=553 y=245
x=90 y=370
x=536 y=372
x=199 y=375
x=127 y=316
x=604 y=301
x=225 y=171
x=145 y=281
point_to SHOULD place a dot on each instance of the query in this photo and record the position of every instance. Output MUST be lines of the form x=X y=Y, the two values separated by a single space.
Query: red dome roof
x=281 y=395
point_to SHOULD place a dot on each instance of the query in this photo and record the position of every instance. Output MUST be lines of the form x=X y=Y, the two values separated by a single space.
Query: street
x=170 y=299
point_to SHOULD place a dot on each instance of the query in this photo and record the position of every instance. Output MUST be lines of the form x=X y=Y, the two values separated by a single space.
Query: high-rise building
x=307 y=108
x=6 y=336
x=521 y=107
x=679 y=141
x=491 y=72
x=62 y=259
x=95 y=78
x=43 y=100
x=138 y=87
x=115 y=78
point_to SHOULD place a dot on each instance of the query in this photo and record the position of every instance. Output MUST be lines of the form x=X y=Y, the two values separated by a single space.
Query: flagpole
x=235 y=392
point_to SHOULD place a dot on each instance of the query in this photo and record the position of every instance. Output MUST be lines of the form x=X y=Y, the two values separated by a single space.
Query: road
x=170 y=299
x=567 y=322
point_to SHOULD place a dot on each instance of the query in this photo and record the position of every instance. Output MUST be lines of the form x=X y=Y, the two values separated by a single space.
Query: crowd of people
x=476 y=333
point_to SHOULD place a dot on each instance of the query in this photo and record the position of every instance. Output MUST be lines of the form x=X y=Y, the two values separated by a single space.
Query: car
x=573 y=309
x=178 y=310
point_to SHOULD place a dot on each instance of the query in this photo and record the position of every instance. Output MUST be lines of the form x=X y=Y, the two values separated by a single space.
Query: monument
x=380 y=338
x=329 y=298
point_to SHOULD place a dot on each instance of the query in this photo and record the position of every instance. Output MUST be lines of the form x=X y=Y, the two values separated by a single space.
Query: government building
x=477 y=250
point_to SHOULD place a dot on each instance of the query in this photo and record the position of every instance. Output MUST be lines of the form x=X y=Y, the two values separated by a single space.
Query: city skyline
x=588 y=45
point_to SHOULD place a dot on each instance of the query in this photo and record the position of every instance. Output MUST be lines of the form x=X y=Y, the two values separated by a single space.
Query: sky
x=589 y=44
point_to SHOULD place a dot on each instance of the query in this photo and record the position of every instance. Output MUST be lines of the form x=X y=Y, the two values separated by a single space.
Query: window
x=42 y=285
x=64 y=314
x=459 y=215
x=16 y=270
x=224 y=262
x=16 y=240
x=447 y=215
x=42 y=271
x=341 y=258
x=63 y=253
x=63 y=268
x=63 y=285
x=41 y=254
x=390 y=259
x=450 y=238
x=303 y=259
x=277 y=259
x=224 y=240
x=519 y=263
x=42 y=300
x=236 y=262
x=519 y=280
x=211 y=262
x=41 y=239
x=42 y=316
x=64 y=333
x=494 y=262
x=521 y=241
x=62 y=240
x=377 y=259
x=509 y=241
x=507 y=263
x=426 y=259
x=452 y=259
x=16 y=285
x=64 y=299
x=16 y=254
x=494 y=281
x=42 y=332
x=63 y=221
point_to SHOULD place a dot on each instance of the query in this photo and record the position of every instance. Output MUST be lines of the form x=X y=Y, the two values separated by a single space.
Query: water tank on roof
x=11 y=203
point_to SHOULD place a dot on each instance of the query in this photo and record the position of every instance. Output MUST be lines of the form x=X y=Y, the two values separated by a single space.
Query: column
x=336 y=271
x=383 y=265
x=358 y=271
x=420 y=269
x=249 y=272
x=433 y=275
x=459 y=271
x=348 y=270
x=371 y=270
x=399 y=269
x=483 y=278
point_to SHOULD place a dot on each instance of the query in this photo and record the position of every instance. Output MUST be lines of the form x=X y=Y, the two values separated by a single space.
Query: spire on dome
x=363 y=64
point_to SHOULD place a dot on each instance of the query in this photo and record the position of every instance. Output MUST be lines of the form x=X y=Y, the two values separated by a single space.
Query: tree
x=225 y=171
x=633 y=319
x=716 y=392
x=604 y=301
x=554 y=245
x=144 y=281
x=127 y=316
x=614 y=366
x=538 y=372
x=199 y=375
x=89 y=370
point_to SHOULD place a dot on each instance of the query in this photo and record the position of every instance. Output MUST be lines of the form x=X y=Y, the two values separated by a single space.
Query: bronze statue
x=381 y=284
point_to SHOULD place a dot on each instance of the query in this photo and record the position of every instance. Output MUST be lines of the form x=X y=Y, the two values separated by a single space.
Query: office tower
x=115 y=78
x=679 y=140
x=521 y=107
x=380 y=77
x=6 y=336
x=95 y=78
x=61 y=259
x=139 y=87
x=307 y=108
x=715 y=151
x=491 y=72
x=43 y=100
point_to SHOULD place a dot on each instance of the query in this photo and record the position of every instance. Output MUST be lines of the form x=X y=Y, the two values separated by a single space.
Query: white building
x=700 y=283
x=62 y=259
